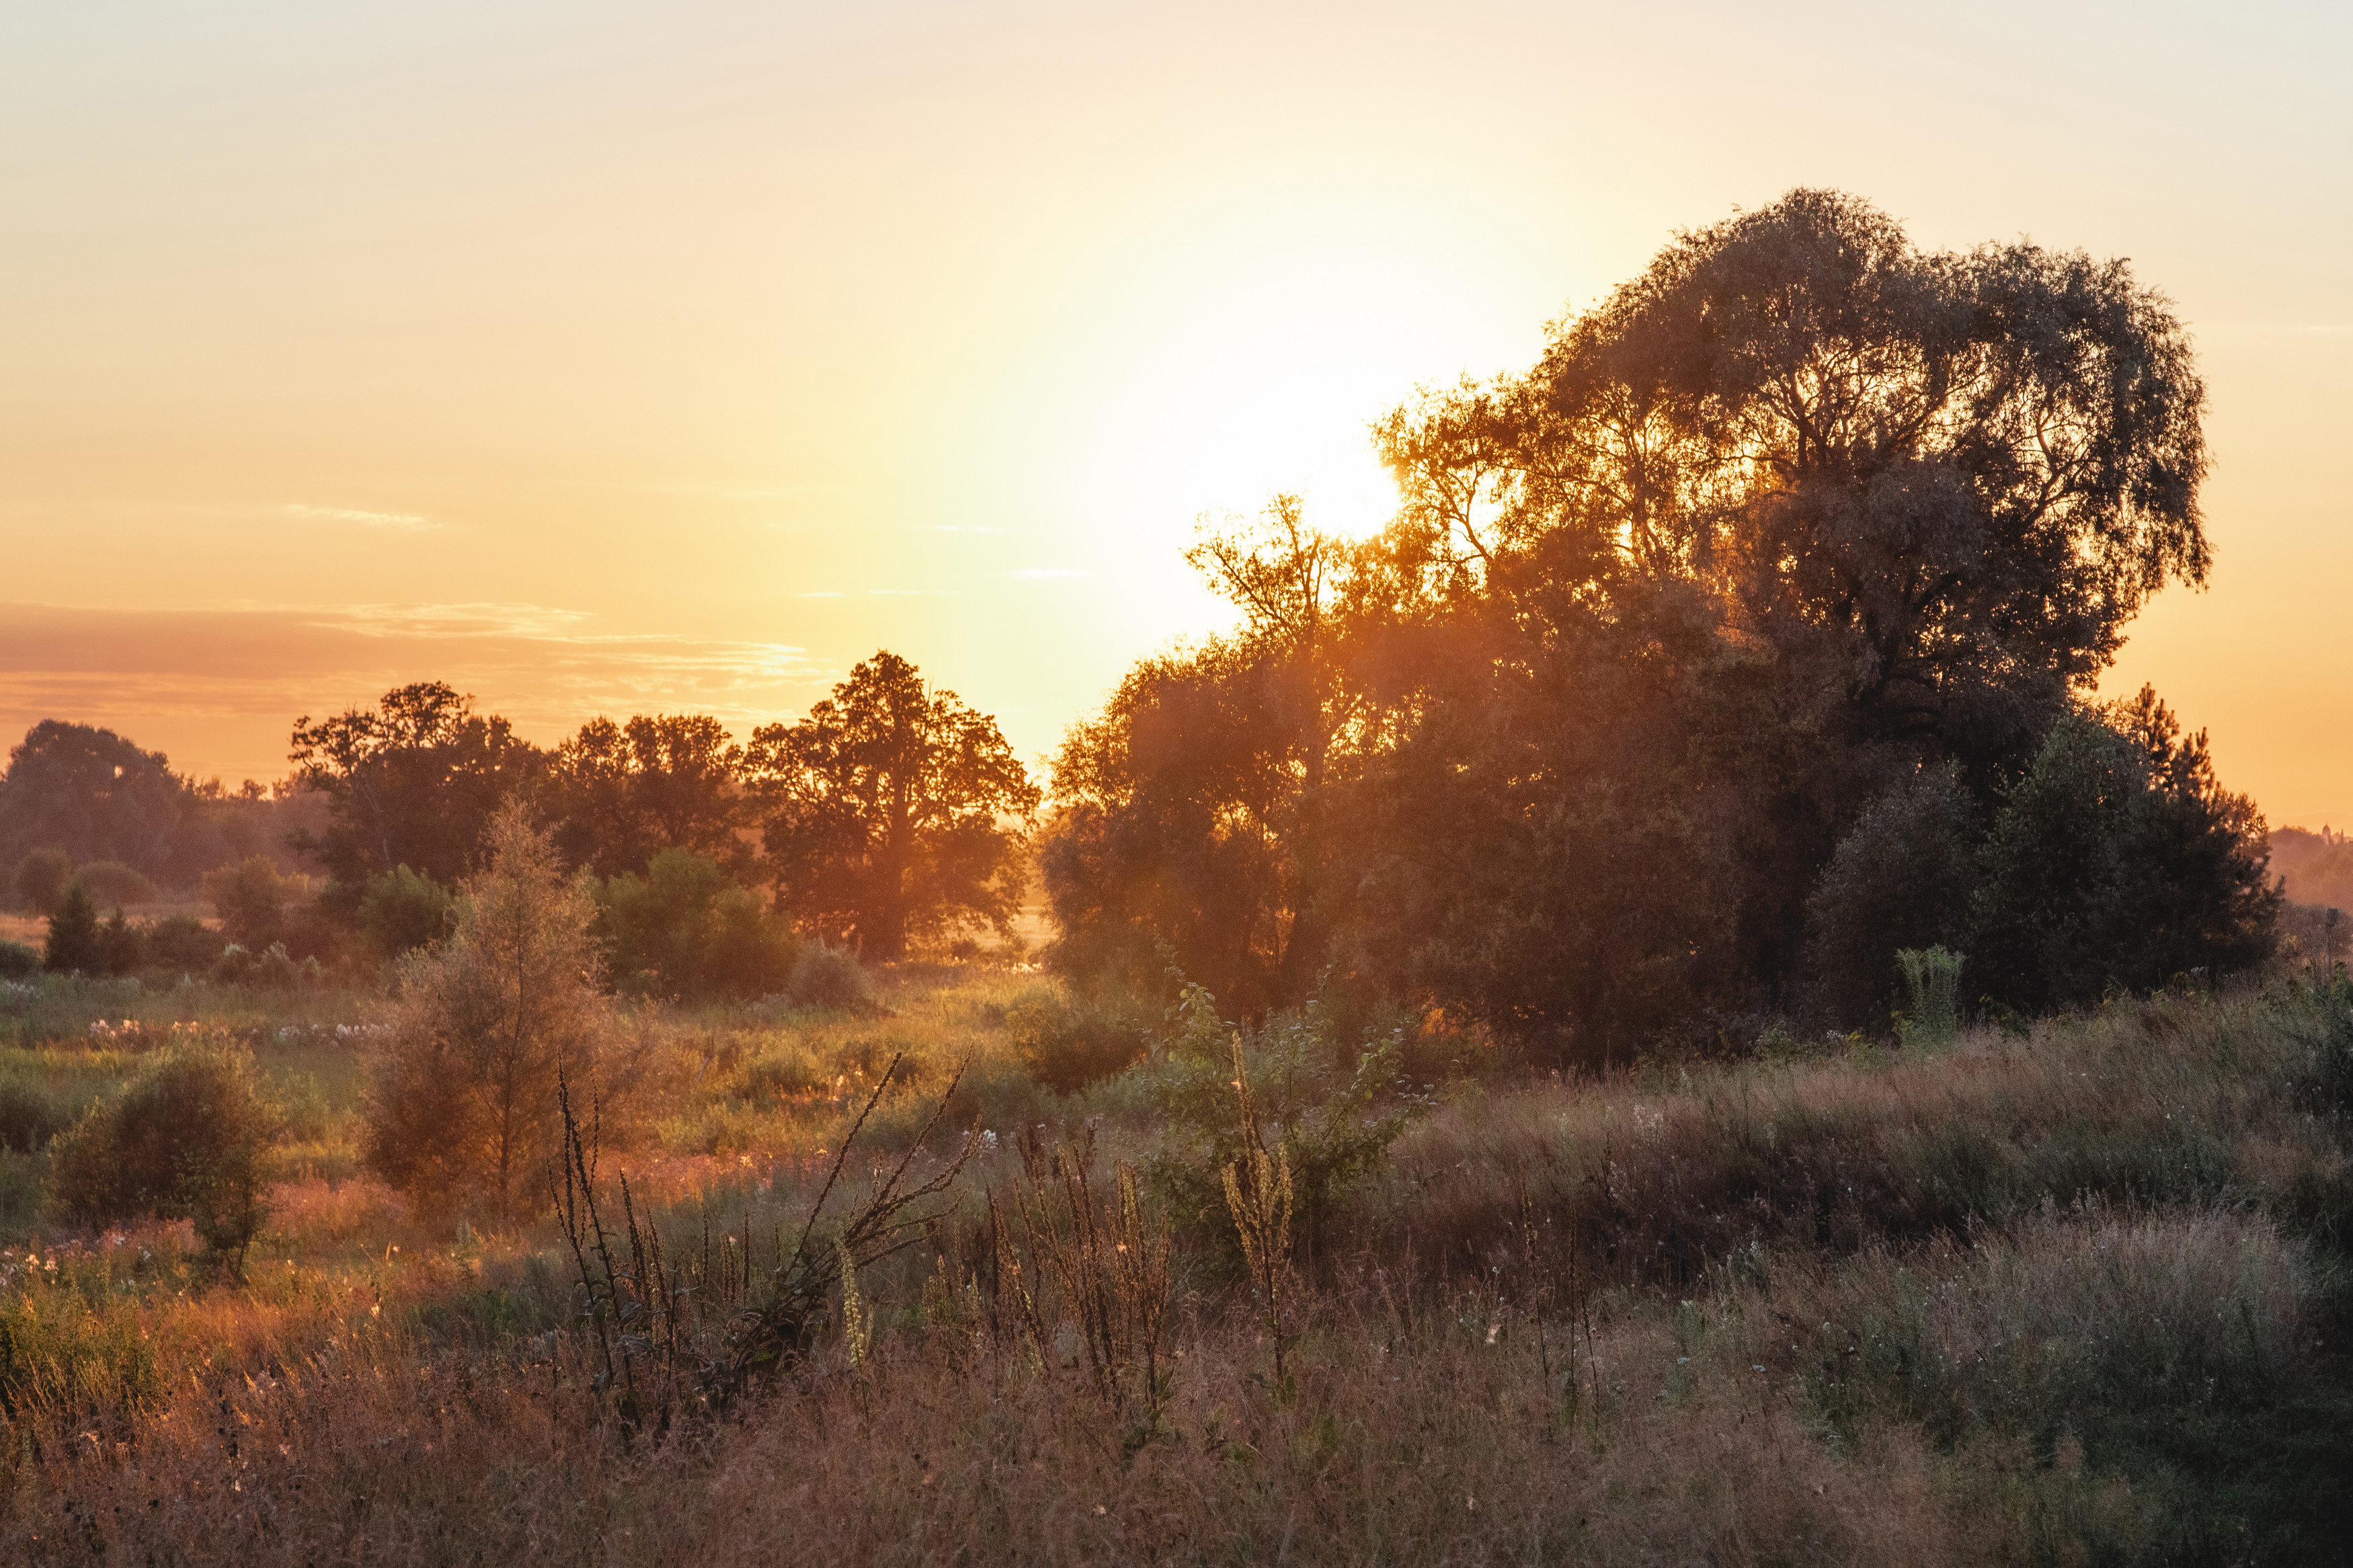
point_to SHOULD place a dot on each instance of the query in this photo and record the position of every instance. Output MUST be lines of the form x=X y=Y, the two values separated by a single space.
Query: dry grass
x=2069 y=1297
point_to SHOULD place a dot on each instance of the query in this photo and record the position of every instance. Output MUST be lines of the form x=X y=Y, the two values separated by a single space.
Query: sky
x=605 y=357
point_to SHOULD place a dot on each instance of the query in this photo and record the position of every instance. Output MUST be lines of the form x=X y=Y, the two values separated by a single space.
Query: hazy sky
x=624 y=357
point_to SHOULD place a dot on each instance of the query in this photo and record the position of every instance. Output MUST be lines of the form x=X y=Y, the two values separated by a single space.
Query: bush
x=251 y=899
x=272 y=970
x=1067 y=1047
x=1333 y=1130
x=1900 y=879
x=183 y=942
x=404 y=909
x=40 y=880
x=831 y=977
x=686 y=928
x=185 y=1140
x=18 y=961
x=29 y=1116
x=112 y=882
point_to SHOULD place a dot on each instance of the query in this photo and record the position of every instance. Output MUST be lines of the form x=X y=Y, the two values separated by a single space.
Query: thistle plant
x=1933 y=976
x=1257 y=1193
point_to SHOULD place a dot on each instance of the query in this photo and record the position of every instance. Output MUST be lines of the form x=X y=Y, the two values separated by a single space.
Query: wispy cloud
x=218 y=688
x=356 y=515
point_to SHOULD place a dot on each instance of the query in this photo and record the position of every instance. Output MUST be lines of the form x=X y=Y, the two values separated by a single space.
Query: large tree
x=894 y=811
x=621 y=794
x=91 y=794
x=1799 y=515
x=1189 y=808
x=412 y=782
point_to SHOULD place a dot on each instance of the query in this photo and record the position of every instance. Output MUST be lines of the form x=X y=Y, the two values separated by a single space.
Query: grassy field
x=2072 y=1295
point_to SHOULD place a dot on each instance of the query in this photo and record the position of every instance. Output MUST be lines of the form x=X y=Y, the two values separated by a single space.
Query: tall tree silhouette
x=886 y=812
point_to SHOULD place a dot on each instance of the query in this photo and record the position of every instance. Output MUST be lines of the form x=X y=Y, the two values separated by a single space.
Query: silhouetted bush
x=1067 y=1047
x=16 y=960
x=183 y=942
x=112 y=883
x=29 y=1116
x=1900 y=878
x=40 y=878
x=251 y=900
x=405 y=909
x=826 y=976
x=184 y=1141
x=72 y=947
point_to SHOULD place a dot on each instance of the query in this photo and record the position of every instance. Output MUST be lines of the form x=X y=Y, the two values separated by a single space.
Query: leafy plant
x=1333 y=1118
x=185 y=1140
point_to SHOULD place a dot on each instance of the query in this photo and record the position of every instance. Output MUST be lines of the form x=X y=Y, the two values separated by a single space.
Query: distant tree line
x=1745 y=640
x=893 y=815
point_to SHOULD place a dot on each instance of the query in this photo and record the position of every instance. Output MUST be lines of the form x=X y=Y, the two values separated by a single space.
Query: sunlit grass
x=2074 y=1292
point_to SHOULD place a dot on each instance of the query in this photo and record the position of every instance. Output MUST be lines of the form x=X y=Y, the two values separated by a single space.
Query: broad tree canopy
x=888 y=812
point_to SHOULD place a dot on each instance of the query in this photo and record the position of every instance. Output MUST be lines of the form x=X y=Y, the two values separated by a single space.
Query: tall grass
x=2071 y=1296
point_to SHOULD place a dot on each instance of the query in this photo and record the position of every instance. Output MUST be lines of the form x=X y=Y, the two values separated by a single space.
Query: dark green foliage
x=40 y=878
x=687 y=929
x=185 y=1140
x=2116 y=863
x=72 y=947
x=1066 y=1047
x=183 y=942
x=1901 y=878
x=122 y=946
x=1800 y=512
x=30 y=1115
x=16 y=960
x=620 y=795
x=405 y=909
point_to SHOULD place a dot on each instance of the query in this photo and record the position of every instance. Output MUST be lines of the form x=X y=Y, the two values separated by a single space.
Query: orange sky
x=622 y=357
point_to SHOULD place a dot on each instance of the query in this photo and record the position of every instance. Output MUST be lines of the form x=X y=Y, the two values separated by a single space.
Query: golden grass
x=1996 y=1304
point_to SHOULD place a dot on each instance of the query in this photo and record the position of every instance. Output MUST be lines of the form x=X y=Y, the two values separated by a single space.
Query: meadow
x=2070 y=1292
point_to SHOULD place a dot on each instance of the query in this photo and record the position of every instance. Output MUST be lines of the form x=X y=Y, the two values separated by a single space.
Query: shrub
x=29 y=1116
x=1900 y=879
x=462 y=1105
x=251 y=897
x=686 y=928
x=183 y=942
x=272 y=970
x=405 y=909
x=40 y=880
x=113 y=882
x=72 y=947
x=1333 y=1130
x=1067 y=1047
x=122 y=946
x=832 y=977
x=184 y=1141
x=16 y=960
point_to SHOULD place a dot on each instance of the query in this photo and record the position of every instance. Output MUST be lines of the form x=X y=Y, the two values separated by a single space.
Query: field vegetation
x=2071 y=1292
